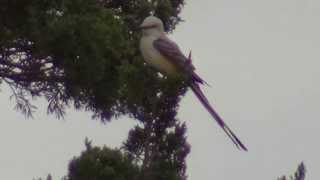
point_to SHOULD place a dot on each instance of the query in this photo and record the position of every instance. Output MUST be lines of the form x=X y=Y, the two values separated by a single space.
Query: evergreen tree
x=85 y=53
x=115 y=164
x=300 y=174
x=102 y=164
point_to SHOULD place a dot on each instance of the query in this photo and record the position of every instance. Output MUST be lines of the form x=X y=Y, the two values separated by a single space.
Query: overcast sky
x=262 y=60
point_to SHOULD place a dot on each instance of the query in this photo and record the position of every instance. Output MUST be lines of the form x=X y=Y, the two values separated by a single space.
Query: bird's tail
x=204 y=101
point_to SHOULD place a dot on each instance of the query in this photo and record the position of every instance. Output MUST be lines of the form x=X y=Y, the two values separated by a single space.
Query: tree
x=160 y=143
x=114 y=164
x=298 y=175
x=49 y=177
x=78 y=51
x=85 y=53
x=102 y=164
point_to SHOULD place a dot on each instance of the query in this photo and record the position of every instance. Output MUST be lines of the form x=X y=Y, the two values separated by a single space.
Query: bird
x=164 y=55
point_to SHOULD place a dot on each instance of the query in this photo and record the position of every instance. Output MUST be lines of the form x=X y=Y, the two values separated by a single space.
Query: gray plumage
x=165 y=55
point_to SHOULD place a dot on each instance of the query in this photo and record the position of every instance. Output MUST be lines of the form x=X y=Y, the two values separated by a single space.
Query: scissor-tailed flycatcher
x=165 y=55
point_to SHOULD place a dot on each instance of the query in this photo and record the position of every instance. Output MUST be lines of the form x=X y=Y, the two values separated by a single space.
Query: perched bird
x=164 y=55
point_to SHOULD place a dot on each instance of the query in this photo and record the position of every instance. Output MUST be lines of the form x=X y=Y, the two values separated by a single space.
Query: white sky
x=262 y=60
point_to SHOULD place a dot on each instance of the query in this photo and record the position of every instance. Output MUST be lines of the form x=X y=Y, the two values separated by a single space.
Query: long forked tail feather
x=204 y=101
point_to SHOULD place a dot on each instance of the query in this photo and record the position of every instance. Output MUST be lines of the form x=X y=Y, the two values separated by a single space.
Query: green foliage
x=162 y=151
x=102 y=164
x=80 y=52
x=298 y=175
x=113 y=164
x=49 y=177
x=85 y=53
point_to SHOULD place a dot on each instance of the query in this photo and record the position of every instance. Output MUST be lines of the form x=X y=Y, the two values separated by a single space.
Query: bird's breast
x=155 y=59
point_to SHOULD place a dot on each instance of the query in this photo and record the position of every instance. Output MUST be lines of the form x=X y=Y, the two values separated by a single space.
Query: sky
x=262 y=61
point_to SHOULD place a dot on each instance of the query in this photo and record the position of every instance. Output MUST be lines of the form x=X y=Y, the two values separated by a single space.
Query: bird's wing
x=172 y=52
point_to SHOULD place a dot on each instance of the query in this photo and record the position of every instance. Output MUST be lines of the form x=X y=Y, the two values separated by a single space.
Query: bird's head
x=152 y=25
